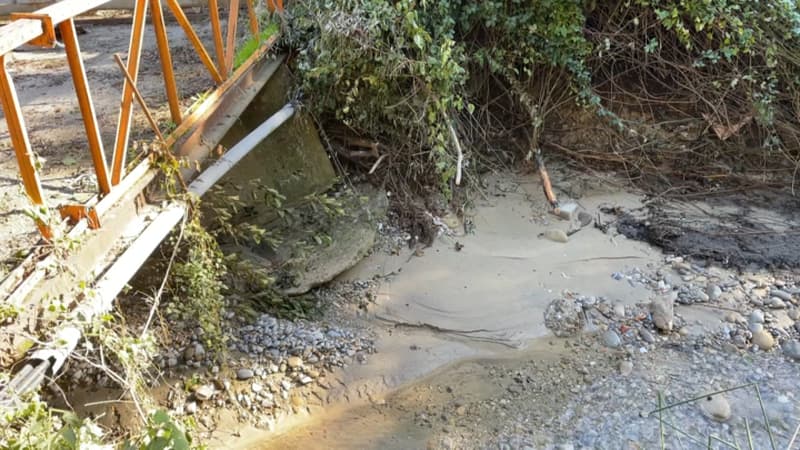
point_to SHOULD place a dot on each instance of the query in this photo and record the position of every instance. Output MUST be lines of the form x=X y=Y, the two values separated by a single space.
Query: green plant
x=252 y=44
x=196 y=285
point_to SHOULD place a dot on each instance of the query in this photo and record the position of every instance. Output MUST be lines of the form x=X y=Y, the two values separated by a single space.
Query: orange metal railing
x=38 y=28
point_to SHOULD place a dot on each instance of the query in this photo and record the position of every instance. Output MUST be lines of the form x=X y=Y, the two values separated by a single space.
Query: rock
x=564 y=317
x=611 y=339
x=734 y=317
x=204 y=392
x=619 y=310
x=792 y=349
x=172 y=361
x=305 y=379
x=763 y=340
x=713 y=291
x=584 y=218
x=244 y=374
x=662 y=308
x=739 y=341
x=647 y=336
x=199 y=351
x=625 y=368
x=716 y=407
x=755 y=327
x=794 y=313
x=567 y=211
x=783 y=295
x=294 y=362
x=776 y=303
x=556 y=235
x=190 y=408
x=757 y=316
x=256 y=387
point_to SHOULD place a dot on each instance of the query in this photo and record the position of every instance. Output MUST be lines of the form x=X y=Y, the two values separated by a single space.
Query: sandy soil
x=49 y=105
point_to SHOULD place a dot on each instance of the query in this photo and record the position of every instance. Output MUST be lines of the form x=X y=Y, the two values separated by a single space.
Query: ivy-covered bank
x=404 y=72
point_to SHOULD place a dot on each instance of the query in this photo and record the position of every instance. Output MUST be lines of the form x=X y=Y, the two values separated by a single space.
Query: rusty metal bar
x=125 y=116
x=216 y=31
x=166 y=62
x=230 y=44
x=275 y=6
x=73 y=51
x=183 y=21
x=139 y=98
x=19 y=136
x=251 y=13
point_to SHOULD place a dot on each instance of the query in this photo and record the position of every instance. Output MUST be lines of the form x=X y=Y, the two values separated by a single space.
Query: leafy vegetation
x=402 y=72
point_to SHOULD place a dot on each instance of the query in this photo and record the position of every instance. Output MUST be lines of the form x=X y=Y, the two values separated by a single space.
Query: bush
x=401 y=72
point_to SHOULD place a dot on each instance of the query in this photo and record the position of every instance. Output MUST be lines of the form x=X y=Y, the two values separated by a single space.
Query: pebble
x=204 y=392
x=763 y=340
x=783 y=295
x=716 y=407
x=619 y=310
x=625 y=368
x=662 y=308
x=556 y=235
x=757 y=316
x=714 y=291
x=776 y=303
x=647 y=336
x=244 y=374
x=294 y=362
x=794 y=313
x=611 y=339
x=256 y=387
x=792 y=349
x=755 y=327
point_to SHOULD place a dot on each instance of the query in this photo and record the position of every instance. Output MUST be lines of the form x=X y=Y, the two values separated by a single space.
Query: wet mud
x=758 y=229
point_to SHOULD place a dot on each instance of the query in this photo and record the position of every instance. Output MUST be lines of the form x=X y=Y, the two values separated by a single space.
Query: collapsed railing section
x=39 y=28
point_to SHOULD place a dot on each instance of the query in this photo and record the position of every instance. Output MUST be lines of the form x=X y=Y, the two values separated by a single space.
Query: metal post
x=166 y=62
x=183 y=21
x=216 y=31
x=75 y=61
x=125 y=113
x=19 y=136
x=251 y=13
x=21 y=144
x=230 y=45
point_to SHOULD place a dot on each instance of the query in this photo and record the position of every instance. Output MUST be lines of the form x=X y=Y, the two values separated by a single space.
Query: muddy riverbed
x=465 y=359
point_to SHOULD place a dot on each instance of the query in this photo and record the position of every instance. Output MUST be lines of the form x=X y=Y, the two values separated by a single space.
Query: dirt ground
x=50 y=110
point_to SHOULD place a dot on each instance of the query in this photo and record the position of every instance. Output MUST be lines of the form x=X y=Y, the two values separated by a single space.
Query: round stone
x=611 y=339
x=294 y=362
x=763 y=340
x=244 y=374
x=716 y=407
x=757 y=316
x=792 y=349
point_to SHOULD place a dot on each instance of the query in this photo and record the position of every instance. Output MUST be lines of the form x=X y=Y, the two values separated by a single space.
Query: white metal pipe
x=235 y=154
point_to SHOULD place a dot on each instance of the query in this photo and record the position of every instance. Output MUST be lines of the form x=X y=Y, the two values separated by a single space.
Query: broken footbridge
x=114 y=233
